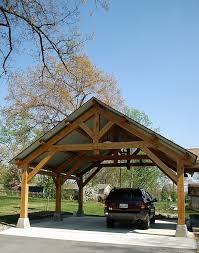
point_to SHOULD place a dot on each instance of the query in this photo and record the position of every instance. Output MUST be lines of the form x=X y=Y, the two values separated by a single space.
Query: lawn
x=10 y=206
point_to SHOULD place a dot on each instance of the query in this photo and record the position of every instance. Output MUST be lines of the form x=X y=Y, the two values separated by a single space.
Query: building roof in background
x=102 y=186
x=70 y=186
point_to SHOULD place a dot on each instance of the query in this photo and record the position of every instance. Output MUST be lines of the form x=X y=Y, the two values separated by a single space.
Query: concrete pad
x=93 y=229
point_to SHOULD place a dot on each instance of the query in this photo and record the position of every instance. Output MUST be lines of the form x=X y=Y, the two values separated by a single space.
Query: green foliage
x=164 y=196
x=174 y=196
x=11 y=178
x=140 y=117
x=48 y=185
x=3 y=171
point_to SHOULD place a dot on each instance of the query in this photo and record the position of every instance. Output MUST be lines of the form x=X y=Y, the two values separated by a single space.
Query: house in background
x=193 y=192
x=103 y=191
x=33 y=188
x=70 y=191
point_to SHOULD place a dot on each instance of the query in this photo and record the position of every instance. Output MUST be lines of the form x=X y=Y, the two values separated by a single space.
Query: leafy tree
x=12 y=177
x=49 y=26
x=2 y=172
x=48 y=185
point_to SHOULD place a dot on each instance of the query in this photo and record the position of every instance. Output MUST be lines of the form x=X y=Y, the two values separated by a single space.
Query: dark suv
x=132 y=205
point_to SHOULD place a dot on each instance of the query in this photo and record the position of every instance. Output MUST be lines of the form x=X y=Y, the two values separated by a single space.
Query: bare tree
x=45 y=103
x=51 y=25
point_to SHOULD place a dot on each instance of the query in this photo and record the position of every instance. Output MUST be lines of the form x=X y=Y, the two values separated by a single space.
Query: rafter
x=105 y=129
x=67 y=130
x=87 y=130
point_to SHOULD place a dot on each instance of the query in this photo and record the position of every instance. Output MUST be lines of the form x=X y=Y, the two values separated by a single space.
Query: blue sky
x=152 y=49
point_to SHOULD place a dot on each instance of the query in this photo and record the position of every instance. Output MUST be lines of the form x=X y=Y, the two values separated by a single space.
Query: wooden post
x=58 y=184
x=23 y=221
x=80 y=211
x=181 y=230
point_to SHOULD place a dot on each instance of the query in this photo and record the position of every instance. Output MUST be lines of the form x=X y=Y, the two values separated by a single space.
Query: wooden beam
x=24 y=194
x=72 y=170
x=80 y=196
x=79 y=130
x=87 y=130
x=105 y=129
x=58 y=184
x=72 y=159
x=41 y=164
x=93 y=165
x=96 y=128
x=97 y=146
x=181 y=193
x=160 y=164
x=128 y=161
x=67 y=130
x=91 y=176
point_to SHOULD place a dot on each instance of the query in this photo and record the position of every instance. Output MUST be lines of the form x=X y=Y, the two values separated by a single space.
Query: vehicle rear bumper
x=127 y=216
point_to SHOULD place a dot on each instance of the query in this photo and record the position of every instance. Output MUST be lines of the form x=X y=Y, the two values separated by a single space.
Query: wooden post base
x=58 y=216
x=23 y=223
x=181 y=231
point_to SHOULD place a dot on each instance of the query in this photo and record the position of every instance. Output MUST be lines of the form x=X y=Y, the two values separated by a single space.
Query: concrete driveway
x=91 y=234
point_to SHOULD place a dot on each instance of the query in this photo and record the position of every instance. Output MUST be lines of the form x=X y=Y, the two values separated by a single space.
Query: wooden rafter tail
x=41 y=164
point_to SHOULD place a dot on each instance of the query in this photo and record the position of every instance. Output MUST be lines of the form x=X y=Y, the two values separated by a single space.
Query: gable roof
x=80 y=111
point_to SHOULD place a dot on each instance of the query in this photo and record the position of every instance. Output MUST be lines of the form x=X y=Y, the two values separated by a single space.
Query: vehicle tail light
x=142 y=206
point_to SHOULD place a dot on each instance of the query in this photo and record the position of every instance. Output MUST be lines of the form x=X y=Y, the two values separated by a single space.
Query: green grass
x=10 y=207
x=162 y=207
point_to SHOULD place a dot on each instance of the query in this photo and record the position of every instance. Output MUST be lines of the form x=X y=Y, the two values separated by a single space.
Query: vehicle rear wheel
x=109 y=223
x=146 y=223
x=153 y=219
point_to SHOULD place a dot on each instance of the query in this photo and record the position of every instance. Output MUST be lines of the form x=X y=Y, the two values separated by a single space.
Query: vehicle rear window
x=125 y=195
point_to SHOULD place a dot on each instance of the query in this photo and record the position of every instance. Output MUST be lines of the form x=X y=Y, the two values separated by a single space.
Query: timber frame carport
x=96 y=136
